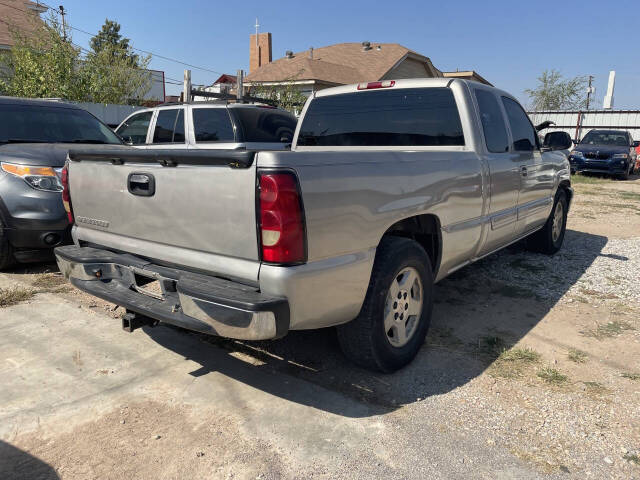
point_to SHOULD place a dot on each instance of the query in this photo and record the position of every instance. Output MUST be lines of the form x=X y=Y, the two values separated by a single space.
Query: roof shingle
x=342 y=63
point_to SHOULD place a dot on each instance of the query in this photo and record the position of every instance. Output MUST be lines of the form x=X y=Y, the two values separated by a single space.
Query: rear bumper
x=197 y=302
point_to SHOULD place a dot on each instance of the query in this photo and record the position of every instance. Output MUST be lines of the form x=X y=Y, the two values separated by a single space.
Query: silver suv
x=209 y=126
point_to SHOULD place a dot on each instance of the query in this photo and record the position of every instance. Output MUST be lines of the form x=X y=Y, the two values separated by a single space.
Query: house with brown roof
x=20 y=15
x=338 y=64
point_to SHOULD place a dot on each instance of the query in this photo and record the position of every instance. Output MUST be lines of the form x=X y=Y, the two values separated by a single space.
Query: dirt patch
x=153 y=440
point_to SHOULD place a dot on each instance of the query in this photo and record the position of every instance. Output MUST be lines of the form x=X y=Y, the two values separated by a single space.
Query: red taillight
x=281 y=223
x=66 y=196
x=372 y=85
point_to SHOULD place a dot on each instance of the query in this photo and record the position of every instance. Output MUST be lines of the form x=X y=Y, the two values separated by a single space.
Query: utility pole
x=64 y=25
x=240 y=86
x=186 y=90
x=589 y=91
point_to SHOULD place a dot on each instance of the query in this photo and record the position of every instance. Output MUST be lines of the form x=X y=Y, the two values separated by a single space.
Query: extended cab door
x=536 y=170
x=503 y=169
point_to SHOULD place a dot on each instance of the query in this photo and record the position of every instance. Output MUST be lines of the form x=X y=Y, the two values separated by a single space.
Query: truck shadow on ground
x=479 y=311
x=16 y=464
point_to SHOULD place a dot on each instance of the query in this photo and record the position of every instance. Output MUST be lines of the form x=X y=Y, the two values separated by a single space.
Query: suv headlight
x=576 y=154
x=40 y=178
x=621 y=156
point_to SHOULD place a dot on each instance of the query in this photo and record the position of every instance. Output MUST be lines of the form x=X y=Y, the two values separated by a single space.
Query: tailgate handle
x=141 y=184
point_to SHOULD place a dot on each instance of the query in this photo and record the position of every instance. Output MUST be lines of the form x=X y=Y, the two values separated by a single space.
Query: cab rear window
x=402 y=117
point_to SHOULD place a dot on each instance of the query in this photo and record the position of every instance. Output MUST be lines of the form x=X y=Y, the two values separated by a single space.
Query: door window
x=495 y=132
x=524 y=135
x=169 y=126
x=134 y=129
x=212 y=125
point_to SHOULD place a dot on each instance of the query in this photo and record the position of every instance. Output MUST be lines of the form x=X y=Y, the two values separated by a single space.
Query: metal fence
x=578 y=122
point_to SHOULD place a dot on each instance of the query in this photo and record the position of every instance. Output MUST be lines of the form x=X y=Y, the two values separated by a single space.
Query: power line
x=133 y=48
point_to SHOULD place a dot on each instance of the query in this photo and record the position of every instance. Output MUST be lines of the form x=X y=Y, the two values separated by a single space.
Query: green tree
x=554 y=92
x=110 y=39
x=42 y=64
x=47 y=64
x=286 y=95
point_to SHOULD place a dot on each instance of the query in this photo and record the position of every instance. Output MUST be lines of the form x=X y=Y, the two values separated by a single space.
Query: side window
x=169 y=126
x=524 y=136
x=134 y=129
x=178 y=131
x=212 y=125
x=495 y=132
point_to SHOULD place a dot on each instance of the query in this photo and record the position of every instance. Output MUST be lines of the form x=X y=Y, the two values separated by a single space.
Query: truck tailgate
x=190 y=208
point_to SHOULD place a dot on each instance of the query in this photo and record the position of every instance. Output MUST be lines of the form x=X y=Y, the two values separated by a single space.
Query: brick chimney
x=259 y=51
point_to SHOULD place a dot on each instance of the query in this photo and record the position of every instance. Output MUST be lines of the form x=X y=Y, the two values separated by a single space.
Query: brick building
x=19 y=14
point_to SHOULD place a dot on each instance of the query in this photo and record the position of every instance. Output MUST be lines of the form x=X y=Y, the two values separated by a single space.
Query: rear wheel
x=395 y=315
x=6 y=251
x=549 y=239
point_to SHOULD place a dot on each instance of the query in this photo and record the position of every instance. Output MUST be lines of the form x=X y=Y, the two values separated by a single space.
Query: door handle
x=141 y=184
x=523 y=171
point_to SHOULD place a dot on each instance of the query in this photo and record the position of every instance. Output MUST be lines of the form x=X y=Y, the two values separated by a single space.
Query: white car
x=210 y=126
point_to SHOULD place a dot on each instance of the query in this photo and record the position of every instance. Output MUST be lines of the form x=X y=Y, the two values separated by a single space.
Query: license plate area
x=152 y=284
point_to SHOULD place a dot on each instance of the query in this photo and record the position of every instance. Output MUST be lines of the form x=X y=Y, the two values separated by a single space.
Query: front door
x=503 y=173
x=536 y=171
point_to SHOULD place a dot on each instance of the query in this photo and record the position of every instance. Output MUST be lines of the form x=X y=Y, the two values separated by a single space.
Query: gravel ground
x=609 y=267
x=531 y=369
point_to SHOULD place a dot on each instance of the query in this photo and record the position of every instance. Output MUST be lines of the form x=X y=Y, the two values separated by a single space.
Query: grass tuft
x=519 y=355
x=51 y=283
x=632 y=457
x=595 y=388
x=11 y=296
x=631 y=376
x=552 y=376
x=589 y=179
x=608 y=330
x=577 y=356
x=512 y=363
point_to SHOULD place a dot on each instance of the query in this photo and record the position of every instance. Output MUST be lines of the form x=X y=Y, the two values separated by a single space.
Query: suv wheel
x=395 y=315
x=549 y=239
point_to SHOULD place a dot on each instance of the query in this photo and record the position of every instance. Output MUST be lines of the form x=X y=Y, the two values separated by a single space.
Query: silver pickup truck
x=389 y=187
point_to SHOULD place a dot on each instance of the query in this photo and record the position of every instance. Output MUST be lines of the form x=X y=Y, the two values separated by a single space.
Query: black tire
x=543 y=240
x=6 y=251
x=364 y=340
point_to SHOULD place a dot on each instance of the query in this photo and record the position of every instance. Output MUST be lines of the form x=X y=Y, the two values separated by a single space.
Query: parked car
x=389 y=187
x=637 y=166
x=35 y=136
x=611 y=152
x=214 y=125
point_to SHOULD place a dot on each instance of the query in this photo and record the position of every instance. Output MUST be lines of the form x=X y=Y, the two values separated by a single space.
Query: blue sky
x=509 y=42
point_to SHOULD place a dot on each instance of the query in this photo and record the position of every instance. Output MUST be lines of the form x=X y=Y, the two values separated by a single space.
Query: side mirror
x=636 y=143
x=557 y=141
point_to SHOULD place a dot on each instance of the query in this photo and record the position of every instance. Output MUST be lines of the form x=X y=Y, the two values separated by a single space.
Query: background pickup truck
x=389 y=187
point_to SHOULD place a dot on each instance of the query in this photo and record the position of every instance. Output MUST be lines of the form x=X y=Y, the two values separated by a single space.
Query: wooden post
x=239 y=87
x=186 y=95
